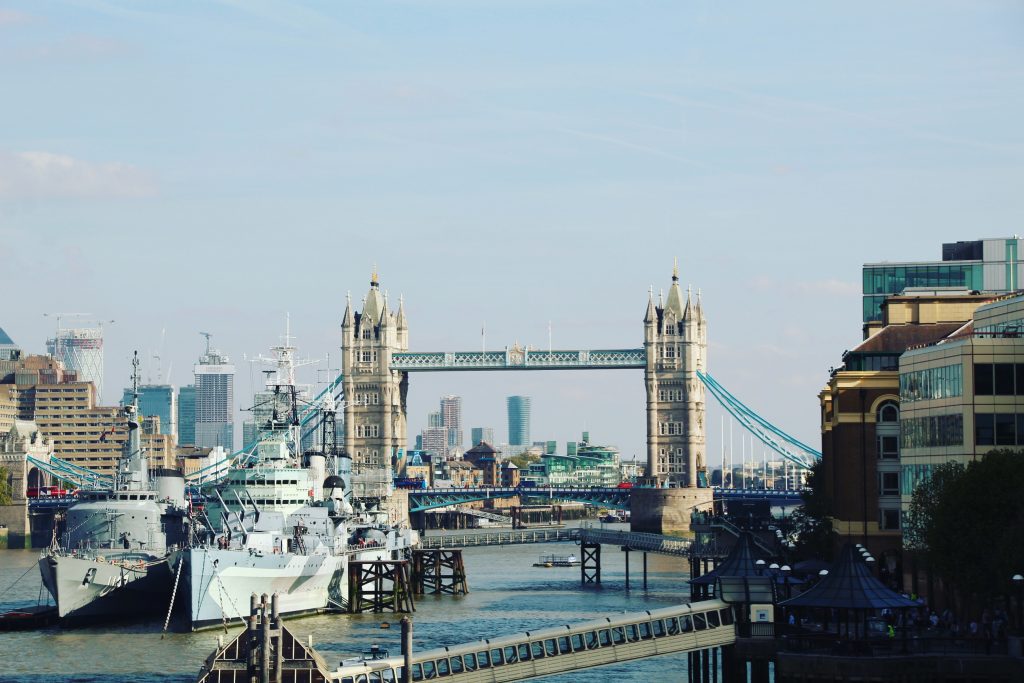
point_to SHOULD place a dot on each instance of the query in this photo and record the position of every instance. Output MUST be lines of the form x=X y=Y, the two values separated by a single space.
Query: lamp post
x=760 y=567
x=1018 y=582
x=786 y=569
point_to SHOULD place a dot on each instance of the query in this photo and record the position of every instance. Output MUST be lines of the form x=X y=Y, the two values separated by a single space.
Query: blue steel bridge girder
x=516 y=359
x=431 y=499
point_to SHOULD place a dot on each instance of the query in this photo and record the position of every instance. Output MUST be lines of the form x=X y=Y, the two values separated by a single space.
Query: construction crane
x=58 y=316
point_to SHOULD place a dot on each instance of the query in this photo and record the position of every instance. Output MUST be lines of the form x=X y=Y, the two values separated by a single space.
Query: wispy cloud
x=10 y=17
x=45 y=175
x=827 y=287
x=635 y=147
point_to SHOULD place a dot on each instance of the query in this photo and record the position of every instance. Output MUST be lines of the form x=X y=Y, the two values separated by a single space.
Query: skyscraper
x=482 y=435
x=518 y=420
x=451 y=416
x=187 y=415
x=81 y=350
x=159 y=400
x=215 y=400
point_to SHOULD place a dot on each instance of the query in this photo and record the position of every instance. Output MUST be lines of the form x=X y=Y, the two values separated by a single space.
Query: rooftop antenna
x=207 y=335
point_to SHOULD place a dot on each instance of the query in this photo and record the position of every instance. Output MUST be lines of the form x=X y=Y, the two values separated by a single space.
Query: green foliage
x=975 y=535
x=812 y=522
x=6 y=490
x=523 y=460
x=926 y=498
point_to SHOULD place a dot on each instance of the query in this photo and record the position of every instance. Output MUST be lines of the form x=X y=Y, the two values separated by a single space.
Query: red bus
x=46 y=492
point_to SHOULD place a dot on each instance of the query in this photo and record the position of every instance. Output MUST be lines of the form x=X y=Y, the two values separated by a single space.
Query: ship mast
x=133 y=466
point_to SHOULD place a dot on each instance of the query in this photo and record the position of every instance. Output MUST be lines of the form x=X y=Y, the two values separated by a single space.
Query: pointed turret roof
x=347 y=318
x=850 y=585
x=374 y=303
x=5 y=339
x=740 y=562
x=652 y=314
x=675 y=296
x=400 y=316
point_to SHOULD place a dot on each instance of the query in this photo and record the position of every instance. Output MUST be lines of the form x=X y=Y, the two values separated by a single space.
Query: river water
x=507 y=595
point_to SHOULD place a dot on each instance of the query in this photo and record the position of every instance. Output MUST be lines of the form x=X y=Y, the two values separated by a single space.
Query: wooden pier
x=380 y=586
x=439 y=572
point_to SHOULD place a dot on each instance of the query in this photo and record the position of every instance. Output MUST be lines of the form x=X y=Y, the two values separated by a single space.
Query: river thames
x=507 y=594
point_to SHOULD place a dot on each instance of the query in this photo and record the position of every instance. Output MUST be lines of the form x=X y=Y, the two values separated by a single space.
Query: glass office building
x=989 y=265
x=159 y=400
x=187 y=415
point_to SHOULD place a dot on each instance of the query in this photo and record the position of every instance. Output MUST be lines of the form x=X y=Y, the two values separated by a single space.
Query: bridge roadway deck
x=621 y=638
x=634 y=540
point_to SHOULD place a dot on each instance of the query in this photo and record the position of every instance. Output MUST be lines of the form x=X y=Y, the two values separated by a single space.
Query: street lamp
x=823 y=573
x=786 y=569
x=1018 y=581
x=773 y=566
x=760 y=567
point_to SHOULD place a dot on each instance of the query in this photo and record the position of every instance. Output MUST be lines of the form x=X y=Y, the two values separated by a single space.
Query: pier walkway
x=684 y=628
x=468 y=539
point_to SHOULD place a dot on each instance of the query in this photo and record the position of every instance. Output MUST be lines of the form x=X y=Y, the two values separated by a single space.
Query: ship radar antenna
x=135 y=379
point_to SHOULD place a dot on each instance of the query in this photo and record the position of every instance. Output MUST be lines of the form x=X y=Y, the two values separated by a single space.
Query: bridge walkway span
x=522 y=656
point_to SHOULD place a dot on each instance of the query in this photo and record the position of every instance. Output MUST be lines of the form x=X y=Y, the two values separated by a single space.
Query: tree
x=812 y=522
x=925 y=499
x=6 y=490
x=523 y=460
x=975 y=535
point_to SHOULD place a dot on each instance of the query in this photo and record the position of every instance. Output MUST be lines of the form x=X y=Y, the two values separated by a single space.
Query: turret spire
x=675 y=269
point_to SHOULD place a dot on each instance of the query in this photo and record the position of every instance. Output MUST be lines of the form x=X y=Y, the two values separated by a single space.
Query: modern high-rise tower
x=518 y=420
x=451 y=416
x=482 y=435
x=215 y=400
x=675 y=339
x=160 y=400
x=187 y=415
x=81 y=350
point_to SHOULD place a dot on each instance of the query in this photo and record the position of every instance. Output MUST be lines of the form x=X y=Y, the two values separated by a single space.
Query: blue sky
x=211 y=166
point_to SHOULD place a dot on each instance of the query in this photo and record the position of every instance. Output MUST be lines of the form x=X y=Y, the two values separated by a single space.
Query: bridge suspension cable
x=788 y=447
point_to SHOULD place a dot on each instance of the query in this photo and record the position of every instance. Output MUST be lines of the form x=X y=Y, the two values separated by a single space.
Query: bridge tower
x=375 y=395
x=675 y=339
x=675 y=345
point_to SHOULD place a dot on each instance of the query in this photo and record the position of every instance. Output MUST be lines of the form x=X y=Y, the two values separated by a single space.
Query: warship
x=284 y=521
x=111 y=559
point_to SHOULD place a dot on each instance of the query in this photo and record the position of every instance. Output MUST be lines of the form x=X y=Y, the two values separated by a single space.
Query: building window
x=983 y=379
x=888 y=412
x=984 y=429
x=888 y=447
x=1005 y=430
x=889 y=519
x=1003 y=379
x=889 y=483
x=366 y=333
x=932 y=431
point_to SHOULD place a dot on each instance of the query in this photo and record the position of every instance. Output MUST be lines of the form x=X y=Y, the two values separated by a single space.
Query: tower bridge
x=377 y=363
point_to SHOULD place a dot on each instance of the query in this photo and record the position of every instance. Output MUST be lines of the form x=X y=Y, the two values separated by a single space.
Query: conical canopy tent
x=850 y=585
x=741 y=561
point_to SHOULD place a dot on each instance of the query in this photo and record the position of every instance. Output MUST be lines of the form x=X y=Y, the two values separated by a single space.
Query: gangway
x=635 y=540
x=651 y=633
x=483 y=514
x=71 y=473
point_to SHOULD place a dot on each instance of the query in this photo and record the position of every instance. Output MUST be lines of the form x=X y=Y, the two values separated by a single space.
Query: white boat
x=275 y=524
